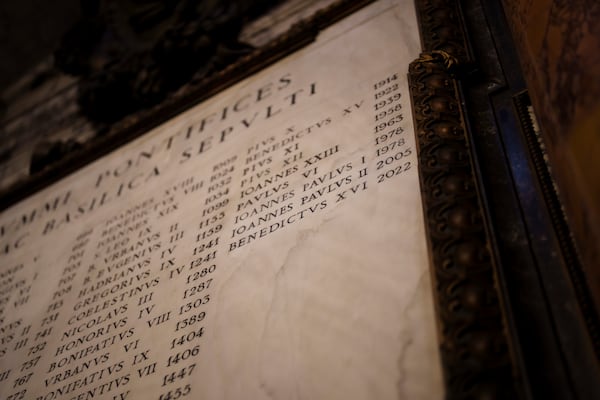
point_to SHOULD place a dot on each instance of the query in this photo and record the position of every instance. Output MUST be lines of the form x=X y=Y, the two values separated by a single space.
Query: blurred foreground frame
x=516 y=317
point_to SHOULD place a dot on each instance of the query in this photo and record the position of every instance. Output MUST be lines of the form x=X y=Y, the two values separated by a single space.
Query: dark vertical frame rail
x=473 y=341
x=512 y=321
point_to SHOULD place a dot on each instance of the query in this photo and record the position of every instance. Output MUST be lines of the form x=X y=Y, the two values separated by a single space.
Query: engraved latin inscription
x=264 y=244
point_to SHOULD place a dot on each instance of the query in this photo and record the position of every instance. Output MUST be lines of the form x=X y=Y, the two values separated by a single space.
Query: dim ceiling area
x=29 y=32
x=73 y=70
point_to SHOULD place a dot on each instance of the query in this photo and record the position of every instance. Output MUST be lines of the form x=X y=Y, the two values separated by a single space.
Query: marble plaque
x=265 y=244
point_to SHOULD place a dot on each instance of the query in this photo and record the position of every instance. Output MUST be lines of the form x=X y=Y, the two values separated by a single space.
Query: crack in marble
x=300 y=242
x=405 y=335
x=218 y=306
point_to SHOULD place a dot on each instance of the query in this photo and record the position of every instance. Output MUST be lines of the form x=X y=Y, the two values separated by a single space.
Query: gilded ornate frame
x=515 y=316
x=473 y=339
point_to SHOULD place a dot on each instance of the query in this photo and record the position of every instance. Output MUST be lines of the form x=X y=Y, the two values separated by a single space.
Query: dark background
x=29 y=32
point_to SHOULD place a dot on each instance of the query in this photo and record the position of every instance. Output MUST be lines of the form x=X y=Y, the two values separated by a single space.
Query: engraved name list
x=267 y=243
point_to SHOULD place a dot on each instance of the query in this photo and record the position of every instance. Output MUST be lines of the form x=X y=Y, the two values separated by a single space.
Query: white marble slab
x=266 y=244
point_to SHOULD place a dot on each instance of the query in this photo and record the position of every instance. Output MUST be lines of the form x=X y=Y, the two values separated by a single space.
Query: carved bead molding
x=473 y=342
x=441 y=28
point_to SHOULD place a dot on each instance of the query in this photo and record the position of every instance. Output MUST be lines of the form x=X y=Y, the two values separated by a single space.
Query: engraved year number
x=176 y=393
x=385 y=81
x=398 y=156
x=393 y=172
x=17 y=396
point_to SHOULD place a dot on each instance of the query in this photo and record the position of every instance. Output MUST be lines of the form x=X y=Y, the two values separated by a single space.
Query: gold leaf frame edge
x=474 y=343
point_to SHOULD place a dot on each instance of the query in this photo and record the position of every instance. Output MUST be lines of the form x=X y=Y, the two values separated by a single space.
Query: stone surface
x=265 y=244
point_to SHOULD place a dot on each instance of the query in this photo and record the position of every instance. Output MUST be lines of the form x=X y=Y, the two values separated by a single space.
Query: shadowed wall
x=559 y=46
